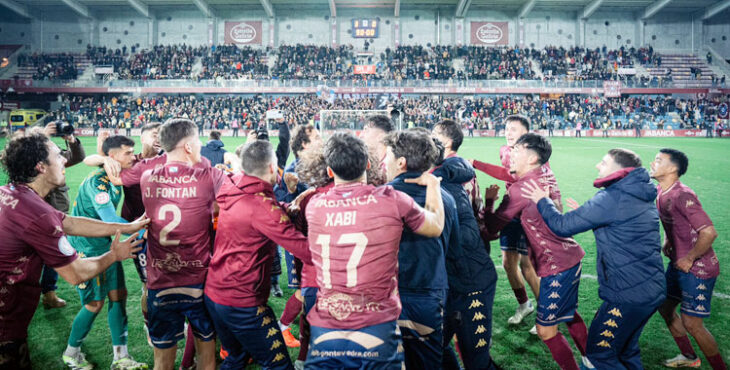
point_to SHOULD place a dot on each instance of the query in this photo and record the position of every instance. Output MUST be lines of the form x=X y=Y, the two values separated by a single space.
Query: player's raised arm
x=434 y=206
x=90 y=228
x=84 y=269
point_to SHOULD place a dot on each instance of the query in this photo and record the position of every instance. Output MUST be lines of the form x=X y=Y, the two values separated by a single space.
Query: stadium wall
x=60 y=29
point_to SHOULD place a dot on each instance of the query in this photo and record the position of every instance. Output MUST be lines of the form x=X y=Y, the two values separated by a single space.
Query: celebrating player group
x=387 y=244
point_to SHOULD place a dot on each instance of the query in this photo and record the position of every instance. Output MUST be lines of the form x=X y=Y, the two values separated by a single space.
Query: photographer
x=34 y=234
x=58 y=199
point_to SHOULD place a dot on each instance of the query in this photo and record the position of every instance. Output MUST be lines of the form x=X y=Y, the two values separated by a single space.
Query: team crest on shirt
x=101 y=198
x=339 y=305
x=173 y=169
x=65 y=247
x=174 y=263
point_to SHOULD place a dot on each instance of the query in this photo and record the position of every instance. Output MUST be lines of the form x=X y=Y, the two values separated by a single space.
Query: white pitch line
x=623 y=143
x=594 y=277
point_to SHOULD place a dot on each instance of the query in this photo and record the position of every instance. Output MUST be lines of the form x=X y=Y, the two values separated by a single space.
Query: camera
x=262 y=133
x=63 y=128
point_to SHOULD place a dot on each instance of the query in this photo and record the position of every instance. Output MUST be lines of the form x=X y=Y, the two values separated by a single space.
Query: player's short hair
x=625 y=158
x=215 y=135
x=151 y=126
x=678 y=158
x=380 y=121
x=452 y=130
x=523 y=120
x=174 y=131
x=346 y=155
x=21 y=155
x=415 y=146
x=115 y=142
x=256 y=157
x=440 y=149
x=538 y=144
x=299 y=137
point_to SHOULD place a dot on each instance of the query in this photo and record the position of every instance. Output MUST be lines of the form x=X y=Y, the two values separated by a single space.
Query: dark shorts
x=249 y=332
x=512 y=238
x=613 y=338
x=310 y=298
x=695 y=294
x=14 y=355
x=469 y=317
x=421 y=324
x=558 y=298
x=293 y=270
x=167 y=310
x=371 y=347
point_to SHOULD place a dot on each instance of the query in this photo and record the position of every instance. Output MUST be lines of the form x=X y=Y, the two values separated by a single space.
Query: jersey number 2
x=359 y=240
x=176 y=218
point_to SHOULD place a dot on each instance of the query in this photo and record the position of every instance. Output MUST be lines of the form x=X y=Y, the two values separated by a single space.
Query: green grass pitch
x=573 y=161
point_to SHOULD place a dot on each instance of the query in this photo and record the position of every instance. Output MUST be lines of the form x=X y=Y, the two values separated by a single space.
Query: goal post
x=349 y=119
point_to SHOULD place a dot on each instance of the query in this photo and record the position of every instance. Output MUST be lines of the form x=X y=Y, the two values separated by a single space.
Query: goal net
x=355 y=120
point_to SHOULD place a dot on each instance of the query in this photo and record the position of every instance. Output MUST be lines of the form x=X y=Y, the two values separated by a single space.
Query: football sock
x=283 y=327
x=81 y=327
x=717 y=362
x=562 y=354
x=303 y=338
x=521 y=295
x=685 y=346
x=72 y=351
x=117 y=317
x=291 y=310
x=120 y=352
x=579 y=333
x=189 y=353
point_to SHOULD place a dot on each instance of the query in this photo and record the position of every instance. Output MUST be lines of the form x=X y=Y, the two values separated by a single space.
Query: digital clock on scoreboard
x=363 y=28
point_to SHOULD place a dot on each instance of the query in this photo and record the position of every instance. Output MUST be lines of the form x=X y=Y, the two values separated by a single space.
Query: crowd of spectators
x=568 y=111
x=50 y=66
x=311 y=62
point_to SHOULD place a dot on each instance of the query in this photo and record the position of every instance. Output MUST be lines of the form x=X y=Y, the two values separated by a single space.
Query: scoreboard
x=364 y=28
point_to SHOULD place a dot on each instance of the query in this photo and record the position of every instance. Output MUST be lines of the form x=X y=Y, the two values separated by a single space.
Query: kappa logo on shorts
x=615 y=312
x=701 y=287
x=551 y=317
x=480 y=329
x=265 y=321
x=554 y=295
x=478 y=316
x=701 y=297
x=276 y=344
x=603 y=343
x=271 y=332
x=611 y=323
x=552 y=306
x=481 y=343
x=607 y=334
x=555 y=283
x=701 y=308
x=475 y=304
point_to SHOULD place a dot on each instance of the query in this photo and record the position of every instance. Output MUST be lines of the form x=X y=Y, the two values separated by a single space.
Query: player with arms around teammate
x=179 y=198
x=422 y=279
x=693 y=265
x=512 y=239
x=34 y=234
x=354 y=234
x=630 y=273
x=98 y=199
x=557 y=259
x=250 y=226
x=471 y=274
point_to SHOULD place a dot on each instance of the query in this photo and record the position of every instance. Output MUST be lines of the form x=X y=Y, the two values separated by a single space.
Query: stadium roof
x=585 y=8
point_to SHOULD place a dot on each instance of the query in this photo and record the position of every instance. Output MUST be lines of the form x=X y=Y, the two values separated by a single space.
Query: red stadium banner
x=490 y=33
x=612 y=89
x=243 y=33
x=368 y=69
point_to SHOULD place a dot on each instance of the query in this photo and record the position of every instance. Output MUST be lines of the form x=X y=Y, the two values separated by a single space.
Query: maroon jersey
x=132 y=207
x=683 y=218
x=354 y=235
x=309 y=273
x=132 y=176
x=549 y=253
x=179 y=200
x=32 y=235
